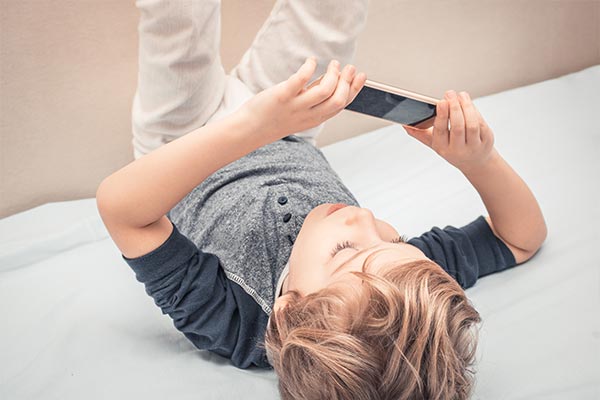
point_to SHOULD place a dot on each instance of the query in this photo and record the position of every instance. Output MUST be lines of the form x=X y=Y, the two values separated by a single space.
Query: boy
x=267 y=233
x=220 y=311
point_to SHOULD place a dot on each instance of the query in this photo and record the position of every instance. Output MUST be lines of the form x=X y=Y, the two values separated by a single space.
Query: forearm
x=142 y=192
x=513 y=209
x=145 y=190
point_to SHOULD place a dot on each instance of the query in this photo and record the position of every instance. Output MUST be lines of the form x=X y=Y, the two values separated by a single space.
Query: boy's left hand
x=469 y=142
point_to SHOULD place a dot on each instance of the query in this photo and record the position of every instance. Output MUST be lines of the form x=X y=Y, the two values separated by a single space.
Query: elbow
x=101 y=199
x=543 y=234
x=531 y=238
x=537 y=238
x=104 y=200
x=540 y=235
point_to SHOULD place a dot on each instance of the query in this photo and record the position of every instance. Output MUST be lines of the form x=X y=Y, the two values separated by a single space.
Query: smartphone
x=395 y=104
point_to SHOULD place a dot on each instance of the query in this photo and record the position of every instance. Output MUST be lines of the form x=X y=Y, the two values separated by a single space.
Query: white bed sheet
x=76 y=324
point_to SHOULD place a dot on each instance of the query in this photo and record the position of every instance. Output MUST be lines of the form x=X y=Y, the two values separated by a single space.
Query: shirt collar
x=282 y=277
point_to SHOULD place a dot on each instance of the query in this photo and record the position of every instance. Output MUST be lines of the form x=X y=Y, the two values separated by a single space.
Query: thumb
x=424 y=136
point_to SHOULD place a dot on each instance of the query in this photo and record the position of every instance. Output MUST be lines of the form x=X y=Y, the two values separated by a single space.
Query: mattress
x=76 y=324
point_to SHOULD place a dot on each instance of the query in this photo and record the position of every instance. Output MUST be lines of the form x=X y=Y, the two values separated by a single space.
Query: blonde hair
x=402 y=335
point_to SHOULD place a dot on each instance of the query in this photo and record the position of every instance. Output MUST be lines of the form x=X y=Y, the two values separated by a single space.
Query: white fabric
x=284 y=274
x=181 y=82
x=76 y=324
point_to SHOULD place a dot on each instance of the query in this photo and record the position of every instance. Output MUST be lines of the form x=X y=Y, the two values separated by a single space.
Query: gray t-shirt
x=217 y=273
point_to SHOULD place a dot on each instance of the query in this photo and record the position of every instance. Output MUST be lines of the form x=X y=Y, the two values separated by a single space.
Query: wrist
x=251 y=125
x=256 y=117
x=246 y=130
x=490 y=163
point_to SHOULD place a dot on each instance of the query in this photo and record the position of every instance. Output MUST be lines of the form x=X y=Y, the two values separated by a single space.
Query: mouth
x=336 y=207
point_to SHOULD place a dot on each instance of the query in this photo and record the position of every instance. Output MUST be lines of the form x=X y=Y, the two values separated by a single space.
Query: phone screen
x=390 y=106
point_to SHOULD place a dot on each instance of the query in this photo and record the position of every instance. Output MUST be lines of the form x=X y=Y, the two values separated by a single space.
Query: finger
x=424 y=136
x=471 y=119
x=484 y=128
x=441 y=135
x=338 y=99
x=356 y=86
x=300 y=78
x=457 y=121
x=315 y=82
x=324 y=89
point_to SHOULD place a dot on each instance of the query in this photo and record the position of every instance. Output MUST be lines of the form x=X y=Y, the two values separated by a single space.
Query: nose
x=368 y=229
x=364 y=224
x=362 y=216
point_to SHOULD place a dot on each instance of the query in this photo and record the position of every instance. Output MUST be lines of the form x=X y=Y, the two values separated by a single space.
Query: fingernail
x=451 y=94
x=464 y=95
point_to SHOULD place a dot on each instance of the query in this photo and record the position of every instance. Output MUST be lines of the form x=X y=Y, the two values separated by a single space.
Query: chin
x=315 y=211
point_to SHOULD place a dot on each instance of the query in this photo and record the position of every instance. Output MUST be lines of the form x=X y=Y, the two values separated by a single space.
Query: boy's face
x=312 y=266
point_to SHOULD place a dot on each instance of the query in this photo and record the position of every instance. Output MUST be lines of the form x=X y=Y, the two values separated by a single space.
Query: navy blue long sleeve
x=466 y=253
x=213 y=312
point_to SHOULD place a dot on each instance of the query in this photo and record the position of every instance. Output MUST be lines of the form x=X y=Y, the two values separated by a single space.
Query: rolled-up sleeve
x=466 y=253
x=213 y=312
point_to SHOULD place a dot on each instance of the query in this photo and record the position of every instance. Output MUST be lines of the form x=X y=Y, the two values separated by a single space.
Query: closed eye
x=342 y=246
x=400 y=239
x=347 y=244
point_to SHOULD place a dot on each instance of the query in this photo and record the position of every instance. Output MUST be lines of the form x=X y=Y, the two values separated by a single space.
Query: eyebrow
x=342 y=265
x=350 y=259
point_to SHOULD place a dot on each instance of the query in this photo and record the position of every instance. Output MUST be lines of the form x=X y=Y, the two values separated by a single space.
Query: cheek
x=311 y=234
x=301 y=250
x=305 y=253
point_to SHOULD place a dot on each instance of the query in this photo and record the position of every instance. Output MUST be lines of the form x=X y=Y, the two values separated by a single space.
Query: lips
x=335 y=207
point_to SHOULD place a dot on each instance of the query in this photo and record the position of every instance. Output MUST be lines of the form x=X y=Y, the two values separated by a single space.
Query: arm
x=134 y=200
x=514 y=214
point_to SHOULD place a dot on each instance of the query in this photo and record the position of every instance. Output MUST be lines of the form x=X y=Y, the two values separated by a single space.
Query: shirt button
x=282 y=200
x=287 y=217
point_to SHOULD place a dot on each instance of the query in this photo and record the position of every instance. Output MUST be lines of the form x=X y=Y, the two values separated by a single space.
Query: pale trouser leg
x=295 y=30
x=181 y=80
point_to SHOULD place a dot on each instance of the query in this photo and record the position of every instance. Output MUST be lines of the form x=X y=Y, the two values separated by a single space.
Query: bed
x=76 y=324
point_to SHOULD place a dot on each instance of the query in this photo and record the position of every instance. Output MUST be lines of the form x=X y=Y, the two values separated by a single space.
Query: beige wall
x=68 y=73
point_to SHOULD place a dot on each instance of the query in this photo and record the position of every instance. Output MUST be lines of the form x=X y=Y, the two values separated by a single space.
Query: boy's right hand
x=469 y=143
x=291 y=107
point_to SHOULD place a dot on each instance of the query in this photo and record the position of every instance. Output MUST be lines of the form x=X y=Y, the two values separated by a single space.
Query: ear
x=281 y=302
